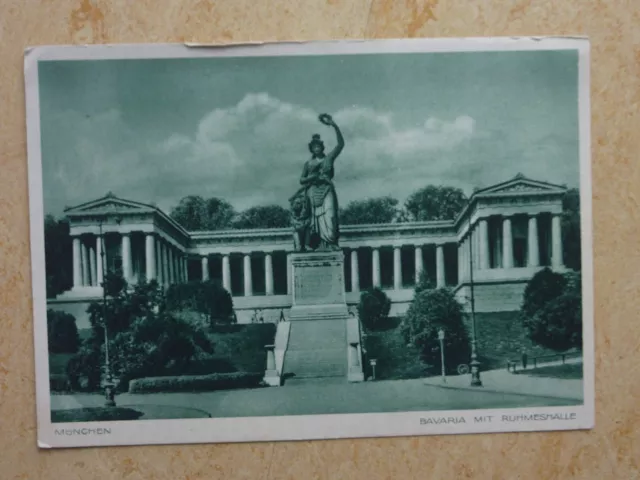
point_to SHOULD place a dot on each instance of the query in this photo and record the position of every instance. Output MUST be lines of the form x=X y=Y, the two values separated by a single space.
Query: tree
x=424 y=283
x=195 y=213
x=207 y=298
x=145 y=339
x=62 y=332
x=543 y=287
x=430 y=311
x=435 y=203
x=372 y=210
x=58 y=256
x=373 y=308
x=571 y=245
x=267 y=216
x=557 y=322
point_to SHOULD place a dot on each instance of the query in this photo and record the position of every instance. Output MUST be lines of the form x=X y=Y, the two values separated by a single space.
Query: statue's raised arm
x=328 y=120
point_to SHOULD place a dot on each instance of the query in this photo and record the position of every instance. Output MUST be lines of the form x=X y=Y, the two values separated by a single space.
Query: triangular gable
x=109 y=203
x=521 y=184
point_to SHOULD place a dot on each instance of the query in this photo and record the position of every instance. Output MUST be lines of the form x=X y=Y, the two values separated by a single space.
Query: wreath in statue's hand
x=326 y=119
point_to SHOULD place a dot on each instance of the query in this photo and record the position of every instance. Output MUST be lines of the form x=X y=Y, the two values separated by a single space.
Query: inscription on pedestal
x=318 y=280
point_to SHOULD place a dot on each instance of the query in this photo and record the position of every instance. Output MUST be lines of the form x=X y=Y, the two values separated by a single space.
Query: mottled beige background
x=612 y=450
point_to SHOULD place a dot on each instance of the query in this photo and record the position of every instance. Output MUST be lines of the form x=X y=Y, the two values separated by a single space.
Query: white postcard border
x=300 y=427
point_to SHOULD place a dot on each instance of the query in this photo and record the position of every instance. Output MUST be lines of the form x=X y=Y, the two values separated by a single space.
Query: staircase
x=316 y=349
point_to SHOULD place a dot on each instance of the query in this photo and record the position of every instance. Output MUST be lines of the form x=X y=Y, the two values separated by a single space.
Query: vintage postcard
x=310 y=240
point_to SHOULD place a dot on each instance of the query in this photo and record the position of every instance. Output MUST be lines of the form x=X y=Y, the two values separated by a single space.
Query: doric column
x=172 y=264
x=205 y=268
x=86 y=274
x=484 y=244
x=150 y=256
x=440 y=279
x=77 y=263
x=226 y=273
x=93 y=277
x=159 y=261
x=460 y=261
x=532 y=245
x=289 y=274
x=99 y=261
x=126 y=256
x=375 y=267
x=507 y=243
x=419 y=263
x=185 y=271
x=268 y=273
x=355 y=271
x=556 y=242
x=397 y=268
x=165 y=264
x=248 y=280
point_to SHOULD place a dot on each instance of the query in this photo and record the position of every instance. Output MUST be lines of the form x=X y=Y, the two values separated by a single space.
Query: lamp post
x=441 y=338
x=475 y=364
x=373 y=363
x=109 y=386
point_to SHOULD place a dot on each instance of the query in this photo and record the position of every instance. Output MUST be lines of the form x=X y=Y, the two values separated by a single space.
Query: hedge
x=196 y=383
x=59 y=382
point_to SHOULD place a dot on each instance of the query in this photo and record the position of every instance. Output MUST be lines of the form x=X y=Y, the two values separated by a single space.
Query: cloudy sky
x=158 y=130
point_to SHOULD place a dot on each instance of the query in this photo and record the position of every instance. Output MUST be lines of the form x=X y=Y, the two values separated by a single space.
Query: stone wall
x=493 y=297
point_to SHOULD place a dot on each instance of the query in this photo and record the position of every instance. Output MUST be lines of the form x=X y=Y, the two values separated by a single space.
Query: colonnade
x=161 y=260
x=351 y=255
x=474 y=247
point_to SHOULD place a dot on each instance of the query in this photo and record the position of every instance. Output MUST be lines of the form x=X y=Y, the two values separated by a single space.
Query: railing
x=529 y=363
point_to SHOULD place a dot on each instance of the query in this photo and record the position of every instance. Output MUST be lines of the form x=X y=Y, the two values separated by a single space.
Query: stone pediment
x=521 y=184
x=107 y=204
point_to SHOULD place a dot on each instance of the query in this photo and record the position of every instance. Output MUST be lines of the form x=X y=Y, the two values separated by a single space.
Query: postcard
x=289 y=241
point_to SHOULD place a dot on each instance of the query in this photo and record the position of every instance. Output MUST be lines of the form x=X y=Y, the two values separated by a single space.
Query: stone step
x=316 y=363
x=314 y=335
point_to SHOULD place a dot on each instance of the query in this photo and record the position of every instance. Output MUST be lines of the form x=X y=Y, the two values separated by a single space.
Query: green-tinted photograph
x=290 y=235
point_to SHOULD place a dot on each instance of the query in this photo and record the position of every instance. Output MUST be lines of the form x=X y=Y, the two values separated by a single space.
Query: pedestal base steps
x=316 y=348
x=320 y=340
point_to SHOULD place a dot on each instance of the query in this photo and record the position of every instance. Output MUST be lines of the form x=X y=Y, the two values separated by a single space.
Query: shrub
x=59 y=383
x=373 y=308
x=62 y=332
x=543 y=287
x=144 y=340
x=430 y=311
x=208 y=298
x=557 y=323
x=196 y=383
x=424 y=282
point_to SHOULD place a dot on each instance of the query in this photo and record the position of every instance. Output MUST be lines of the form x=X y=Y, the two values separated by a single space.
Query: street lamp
x=475 y=364
x=373 y=363
x=109 y=386
x=441 y=338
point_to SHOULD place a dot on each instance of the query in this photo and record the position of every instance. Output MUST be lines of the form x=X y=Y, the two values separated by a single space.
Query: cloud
x=253 y=152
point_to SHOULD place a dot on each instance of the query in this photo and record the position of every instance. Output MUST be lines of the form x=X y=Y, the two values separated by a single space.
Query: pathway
x=521 y=383
x=323 y=397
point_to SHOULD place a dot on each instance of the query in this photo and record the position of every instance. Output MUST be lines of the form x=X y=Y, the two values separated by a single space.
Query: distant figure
x=524 y=360
x=281 y=316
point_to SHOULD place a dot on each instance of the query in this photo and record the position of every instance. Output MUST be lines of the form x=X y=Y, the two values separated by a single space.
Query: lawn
x=571 y=371
x=133 y=412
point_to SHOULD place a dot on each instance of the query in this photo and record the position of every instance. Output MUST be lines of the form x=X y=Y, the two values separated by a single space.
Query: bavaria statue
x=314 y=207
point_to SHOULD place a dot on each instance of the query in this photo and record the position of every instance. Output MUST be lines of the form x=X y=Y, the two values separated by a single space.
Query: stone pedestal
x=356 y=373
x=271 y=376
x=318 y=286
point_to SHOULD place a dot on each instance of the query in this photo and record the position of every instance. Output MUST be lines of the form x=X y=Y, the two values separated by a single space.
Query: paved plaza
x=330 y=396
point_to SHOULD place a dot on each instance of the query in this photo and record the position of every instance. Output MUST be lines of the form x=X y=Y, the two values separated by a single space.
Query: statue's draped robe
x=323 y=200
